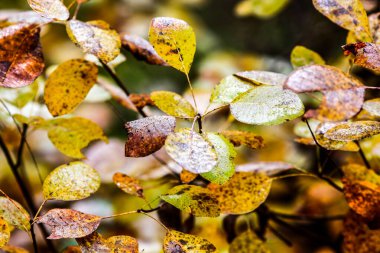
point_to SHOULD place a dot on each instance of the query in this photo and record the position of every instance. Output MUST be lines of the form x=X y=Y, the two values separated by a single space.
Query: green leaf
x=71 y=181
x=193 y=199
x=175 y=242
x=173 y=104
x=95 y=37
x=267 y=105
x=262 y=77
x=54 y=9
x=191 y=151
x=226 y=154
x=14 y=214
x=302 y=56
x=248 y=242
x=260 y=8
x=353 y=131
x=69 y=85
x=372 y=106
x=5 y=232
x=174 y=40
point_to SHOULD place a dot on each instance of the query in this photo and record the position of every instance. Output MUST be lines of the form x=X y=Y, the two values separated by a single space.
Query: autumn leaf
x=248 y=242
x=14 y=214
x=302 y=56
x=329 y=144
x=96 y=243
x=72 y=249
x=374 y=25
x=174 y=40
x=128 y=184
x=21 y=59
x=141 y=100
x=353 y=131
x=267 y=105
x=271 y=169
x=173 y=104
x=141 y=49
x=95 y=37
x=20 y=97
x=30 y=17
x=193 y=199
x=123 y=243
x=260 y=8
x=187 y=176
x=243 y=193
x=13 y=249
x=238 y=138
x=262 y=77
x=191 y=150
x=350 y=15
x=5 y=232
x=69 y=85
x=54 y=9
x=67 y=223
x=71 y=181
x=372 y=106
x=175 y=242
x=147 y=135
x=366 y=55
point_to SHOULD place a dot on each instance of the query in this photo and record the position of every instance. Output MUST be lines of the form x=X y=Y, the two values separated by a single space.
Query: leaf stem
x=159 y=222
x=39 y=210
x=199 y=119
x=364 y=158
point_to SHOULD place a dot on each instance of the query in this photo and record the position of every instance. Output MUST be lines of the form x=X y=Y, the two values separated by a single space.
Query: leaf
x=70 y=135
x=187 y=176
x=21 y=58
x=5 y=232
x=147 y=135
x=329 y=144
x=366 y=55
x=271 y=169
x=21 y=96
x=128 y=184
x=141 y=49
x=350 y=15
x=262 y=77
x=190 y=150
x=72 y=249
x=69 y=85
x=238 y=138
x=96 y=243
x=267 y=105
x=92 y=243
x=243 y=193
x=372 y=106
x=141 y=100
x=13 y=249
x=14 y=214
x=374 y=25
x=54 y=9
x=72 y=181
x=175 y=242
x=302 y=56
x=173 y=104
x=353 y=131
x=193 y=199
x=260 y=8
x=123 y=243
x=226 y=154
x=248 y=242
x=228 y=89
x=95 y=37
x=67 y=223
x=174 y=40
x=30 y=17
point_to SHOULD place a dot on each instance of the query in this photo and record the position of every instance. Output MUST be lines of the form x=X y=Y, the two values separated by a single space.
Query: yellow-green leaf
x=260 y=8
x=302 y=56
x=353 y=131
x=193 y=199
x=71 y=181
x=95 y=37
x=69 y=85
x=243 y=193
x=14 y=214
x=21 y=96
x=248 y=242
x=175 y=242
x=173 y=104
x=5 y=232
x=174 y=40
x=54 y=9
x=256 y=77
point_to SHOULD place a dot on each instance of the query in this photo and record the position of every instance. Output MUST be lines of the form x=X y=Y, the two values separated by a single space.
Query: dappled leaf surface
x=69 y=85
x=5 y=232
x=67 y=223
x=14 y=214
x=21 y=59
x=320 y=132
x=147 y=135
x=238 y=138
x=374 y=25
x=187 y=176
x=243 y=193
x=353 y=131
x=248 y=242
x=54 y=9
x=71 y=181
x=193 y=199
x=366 y=55
x=128 y=184
x=174 y=40
x=96 y=243
x=175 y=242
x=302 y=56
x=256 y=77
x=173 y=104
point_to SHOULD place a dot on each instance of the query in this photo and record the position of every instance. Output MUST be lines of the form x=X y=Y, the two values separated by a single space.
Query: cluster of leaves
x=211 y=184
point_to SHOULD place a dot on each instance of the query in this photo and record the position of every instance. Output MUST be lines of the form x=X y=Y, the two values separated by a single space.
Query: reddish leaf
x=141 y=100
x=366 y=55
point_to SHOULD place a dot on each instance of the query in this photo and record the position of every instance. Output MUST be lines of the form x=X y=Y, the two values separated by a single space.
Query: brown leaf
x=366 y=55
x=67 y=223
x=21 y=59
x=92 y=243
x=238 y=138
x=128 y=184
x=147 y=135
x=141 y=49
x=141 y=100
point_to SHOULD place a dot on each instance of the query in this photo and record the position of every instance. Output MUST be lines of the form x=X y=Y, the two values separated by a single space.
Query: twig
x=363 y=155
x=199 y=120
x=280 y=236
x=307 y=217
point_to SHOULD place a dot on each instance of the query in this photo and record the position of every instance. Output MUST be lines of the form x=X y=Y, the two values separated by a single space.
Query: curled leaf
x=353 y=131
x=248 y=242
x=173 y=104
x=54 y=9
x=175 y=242
x=5 y=232
x=366 y=55
x=14 y=214
x=238 y=138
x=262 y=77
x=128 y=184
x=302 y=56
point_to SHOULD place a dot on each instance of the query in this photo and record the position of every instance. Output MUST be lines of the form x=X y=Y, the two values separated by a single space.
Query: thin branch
x=199 y=119
x=280 y=236
x=308 y=217
x=362 y=155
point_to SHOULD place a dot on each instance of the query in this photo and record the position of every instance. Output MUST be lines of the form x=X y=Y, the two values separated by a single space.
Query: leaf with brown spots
x=119 y=244
x=14 y=214
x=141 y=49
x=238 y=138
x=320 y=132
x=353 y=131
x=350 y=15
x=5 y=232
x=302 y=56
x=366 y=55
x=187 y=176
x=69 y=85
x=128 y=184
x=21 y=59
x=193 y=199
x=374 y=25
x=243 y=193
x=177 y=242
x=95 y=37
x=248 y=242
x=173 y=104
x=174 y=40
x=141 y=100
x=147 y=135
x=67 y=223
x=262 y=77
x=54 y=9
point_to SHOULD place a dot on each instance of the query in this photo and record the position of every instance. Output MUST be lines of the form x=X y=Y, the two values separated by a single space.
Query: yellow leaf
x=128 y=184
x=69 y=85
x=15 y=215
x=353 y=131
x=175 y=242
x=187 y=176
x=302 y=56
x=5 y=232
x=71 y=181
x=238 y=138
x=173 y=104
x=248 y=242
x=174 y=40
x=54 y=9
x=115 y=244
